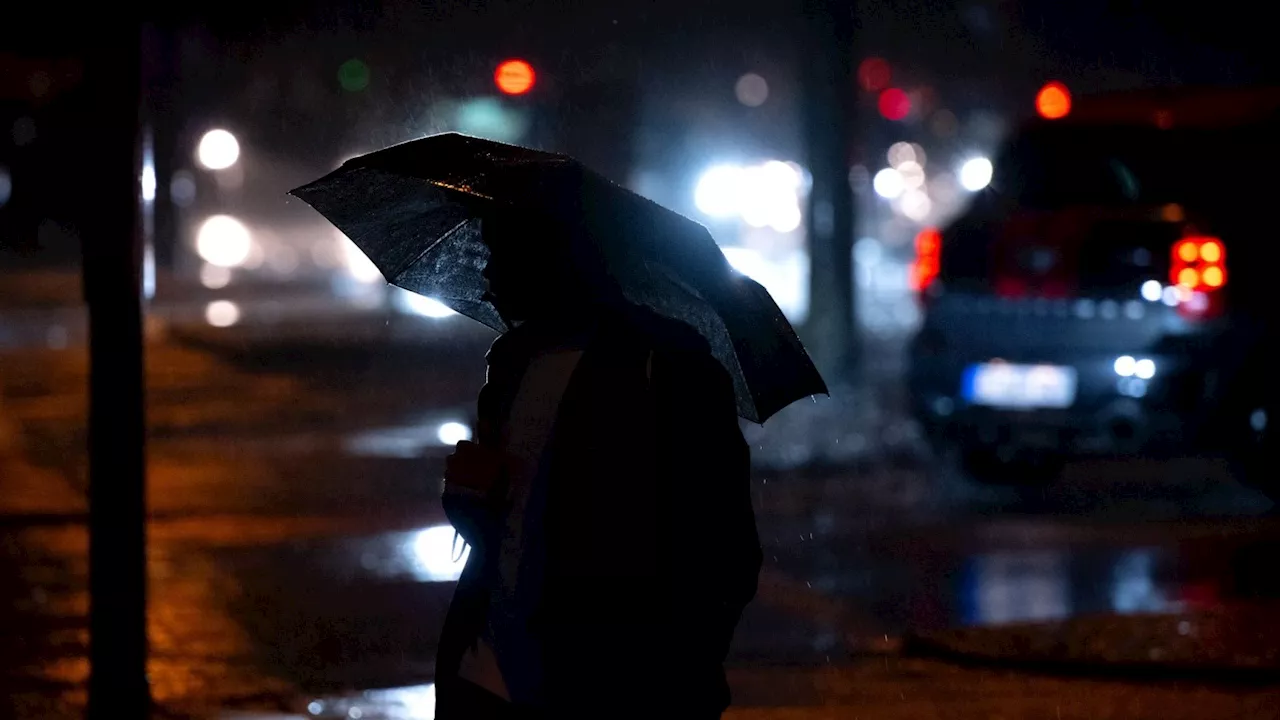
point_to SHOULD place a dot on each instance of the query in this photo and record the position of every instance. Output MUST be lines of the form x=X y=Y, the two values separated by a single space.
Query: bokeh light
x=215 y=277
x=894 y=104
x=751 y=90
x=218 y=150
x=439 y=553
x=223 y=240
x=975 y=174
x=1053 y=101
x=874 y=74
x=514 y=77
x=901 y=152
x=888 y=183
x=353 y=75
x=453 y=432
x=916 y=205
x=912 y=174
x=222 y=313
x=717 y=192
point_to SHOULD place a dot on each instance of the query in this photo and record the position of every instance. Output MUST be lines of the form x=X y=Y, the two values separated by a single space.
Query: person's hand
x=475 y=468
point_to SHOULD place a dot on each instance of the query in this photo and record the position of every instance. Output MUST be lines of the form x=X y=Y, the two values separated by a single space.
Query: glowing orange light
x=1053 y=101
x=928 y=262
x=1188 y=251
x=514 y=77
x=1188 y=278
x=1211 y=252
x=1214 y=276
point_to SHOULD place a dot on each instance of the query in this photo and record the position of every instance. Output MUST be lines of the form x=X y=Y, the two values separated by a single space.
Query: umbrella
x=414 y=209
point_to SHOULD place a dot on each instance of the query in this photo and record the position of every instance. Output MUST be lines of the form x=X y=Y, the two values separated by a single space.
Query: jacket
x=647 y=550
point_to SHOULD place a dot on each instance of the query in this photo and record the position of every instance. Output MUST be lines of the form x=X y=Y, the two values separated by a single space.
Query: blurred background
x=300 y=408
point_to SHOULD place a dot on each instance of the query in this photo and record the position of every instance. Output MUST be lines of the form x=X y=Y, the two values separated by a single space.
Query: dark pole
x=112 y=255
x=828 y=82
x=162 y=125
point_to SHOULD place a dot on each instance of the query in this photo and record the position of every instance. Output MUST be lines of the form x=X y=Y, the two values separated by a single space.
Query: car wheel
x=1002 y=466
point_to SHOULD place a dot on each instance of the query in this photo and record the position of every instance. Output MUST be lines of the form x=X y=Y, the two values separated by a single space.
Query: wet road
x=299 y=554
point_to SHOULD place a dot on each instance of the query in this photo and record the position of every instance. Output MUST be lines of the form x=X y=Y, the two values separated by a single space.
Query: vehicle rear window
x=1052 y=167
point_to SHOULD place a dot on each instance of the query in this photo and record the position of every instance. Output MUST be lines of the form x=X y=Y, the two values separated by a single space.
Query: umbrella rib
x=410 y=263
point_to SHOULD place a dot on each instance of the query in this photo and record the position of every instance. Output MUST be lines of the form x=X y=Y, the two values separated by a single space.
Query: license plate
x=1019 y=387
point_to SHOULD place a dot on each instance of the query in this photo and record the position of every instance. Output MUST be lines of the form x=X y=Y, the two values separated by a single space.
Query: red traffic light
x=874 y=74
x=1053 y=101
x=514 y=77
x=894 y=104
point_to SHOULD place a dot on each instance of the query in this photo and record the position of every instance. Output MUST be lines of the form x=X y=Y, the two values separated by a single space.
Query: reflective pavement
x=301 y=565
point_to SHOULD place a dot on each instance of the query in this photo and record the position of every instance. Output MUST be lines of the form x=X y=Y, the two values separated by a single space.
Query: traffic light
x=514 y=77
x=1053 y=101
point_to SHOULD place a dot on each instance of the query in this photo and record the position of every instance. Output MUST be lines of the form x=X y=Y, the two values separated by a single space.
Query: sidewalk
x=887 y=687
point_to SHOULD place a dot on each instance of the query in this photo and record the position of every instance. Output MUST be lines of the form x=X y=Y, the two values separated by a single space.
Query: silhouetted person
x=607 y=503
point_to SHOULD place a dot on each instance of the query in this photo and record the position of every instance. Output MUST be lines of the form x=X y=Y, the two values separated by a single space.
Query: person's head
x=532 y=273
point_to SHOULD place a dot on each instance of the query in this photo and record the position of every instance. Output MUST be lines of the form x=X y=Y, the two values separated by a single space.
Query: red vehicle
x=1113 y=291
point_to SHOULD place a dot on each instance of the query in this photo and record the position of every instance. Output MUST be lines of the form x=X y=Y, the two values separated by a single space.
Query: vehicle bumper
x=1110 y=414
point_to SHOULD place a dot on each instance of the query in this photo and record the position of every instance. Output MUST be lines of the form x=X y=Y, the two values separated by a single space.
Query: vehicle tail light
x=1198 y=268
x=928 y=262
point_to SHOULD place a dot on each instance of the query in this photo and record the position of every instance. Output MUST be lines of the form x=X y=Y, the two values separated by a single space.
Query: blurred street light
x=224 y=241
x=716 y=194
x=874 y=74
x=764 y=195
x=439 y=553
x=215 y=277
x=218 y=150
x=912 y=174
x=514 y=77
x=975 y=174
x=916 y=205
x=751 y=90
x=894 y=104
x=6 y=186
x=422 y=305
x=357 y=263
x=888 y=183
x=452 y=433
x=901 y=152
x=1053 y=101
x=222 y=313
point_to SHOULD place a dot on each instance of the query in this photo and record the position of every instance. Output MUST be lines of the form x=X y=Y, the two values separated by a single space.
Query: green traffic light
x=353 y=75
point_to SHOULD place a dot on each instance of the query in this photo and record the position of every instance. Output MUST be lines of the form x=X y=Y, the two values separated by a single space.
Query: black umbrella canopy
x=416 y=211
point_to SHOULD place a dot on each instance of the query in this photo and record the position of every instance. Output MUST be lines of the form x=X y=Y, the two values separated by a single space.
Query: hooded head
x=536 y=271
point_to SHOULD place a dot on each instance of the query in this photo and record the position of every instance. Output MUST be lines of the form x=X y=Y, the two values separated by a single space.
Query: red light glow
x=514 y=77
x=928 y=262
x=1053 y=101
x=894 y=104
x=874 y=74
x=1211 y=252
x=1199 y=262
